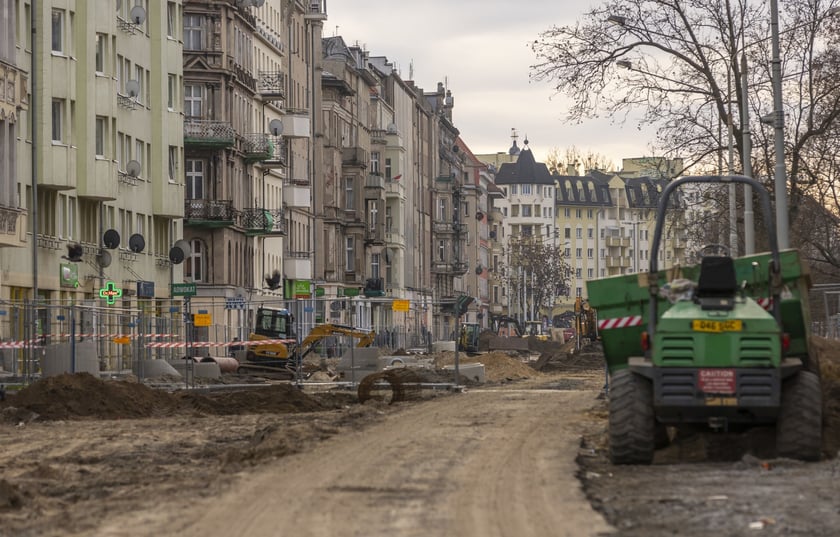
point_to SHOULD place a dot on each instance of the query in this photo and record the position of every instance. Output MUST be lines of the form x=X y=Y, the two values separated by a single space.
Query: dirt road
x=489 y=462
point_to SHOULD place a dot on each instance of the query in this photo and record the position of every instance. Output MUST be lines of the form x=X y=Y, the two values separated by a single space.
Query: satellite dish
x=103 y=258
x=392 y=128
x=275 y=126
x=132 y=169
x=176 y=255
x=479 y=215
x=479 y=269
x=138 y=15
x=132 y=87
x=184 y=246
x=492 y=234
x=111 y=239
x=136 y=243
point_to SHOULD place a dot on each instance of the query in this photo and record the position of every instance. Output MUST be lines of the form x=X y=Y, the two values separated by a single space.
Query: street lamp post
x=779 y=134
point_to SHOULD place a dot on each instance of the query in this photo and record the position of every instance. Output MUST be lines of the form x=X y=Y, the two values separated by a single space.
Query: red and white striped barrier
x=182 y=344
x=765 y=303
x=619 y=322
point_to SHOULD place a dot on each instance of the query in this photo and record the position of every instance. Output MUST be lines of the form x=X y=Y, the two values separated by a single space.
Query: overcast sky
x=479 y=48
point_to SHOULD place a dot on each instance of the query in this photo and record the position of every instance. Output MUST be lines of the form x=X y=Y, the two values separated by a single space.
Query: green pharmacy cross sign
x=110 y=293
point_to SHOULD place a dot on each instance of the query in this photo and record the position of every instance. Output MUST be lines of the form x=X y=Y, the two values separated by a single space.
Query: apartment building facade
x=99 y=174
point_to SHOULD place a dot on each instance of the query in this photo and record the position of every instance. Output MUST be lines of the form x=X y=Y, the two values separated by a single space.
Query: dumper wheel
x=799 y=428
x=632 y=424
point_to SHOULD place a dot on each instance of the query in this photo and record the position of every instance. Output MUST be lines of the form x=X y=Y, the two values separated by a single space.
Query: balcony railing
x=622 y=242
x=259 y=221
x=272 y=84
x=375 y=181
x=449 y=227
x=263 y=147
x=218 y=213
x=395 y=187
x=208 y=133
x=354 y=156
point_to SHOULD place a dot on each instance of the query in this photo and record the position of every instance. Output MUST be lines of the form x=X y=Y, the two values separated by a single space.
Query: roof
x=524 y=171
x=583 y=190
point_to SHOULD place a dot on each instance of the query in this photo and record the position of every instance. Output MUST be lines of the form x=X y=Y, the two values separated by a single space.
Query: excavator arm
x=322 y=331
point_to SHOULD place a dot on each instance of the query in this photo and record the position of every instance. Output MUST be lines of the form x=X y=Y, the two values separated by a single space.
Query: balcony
x=395 y=188
x=296 y=124
x=618 y=262
x=317 y=10
x=259 y=221
x=297 y=266
x=375 y=181
x=257 y=147
x=12 y=227
x=354 y=156
x=209 y=213
x=445 y=178
x=271 y=84
x=297 y=193
x=374 y=236
x=208 y=133
x=618 y=242
x=394 y=238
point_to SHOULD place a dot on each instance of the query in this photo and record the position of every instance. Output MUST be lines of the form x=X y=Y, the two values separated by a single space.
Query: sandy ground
x=523 y=454
x=84 y=456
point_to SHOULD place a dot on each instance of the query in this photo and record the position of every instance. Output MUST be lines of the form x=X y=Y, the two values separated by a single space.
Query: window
x=350 y=256
x=441 y=250
x=66 y=217
x=442 y=210
x=374 y=265
x=512 y=190
x=194 y=170
x=58 y=30
x=590 y=252
x=193 y=32
x=567 y=212
x=578 y=213
x=374 y=162
x=139 y=153
x=171 y=18
x=388 y=169
x=526 y=190
x=57 y=120
x=526 y=210
x=578 y=233
x=172 y=92
x=349 y=194
x=194 y=264
x=578 y=273
x=101 y=40
x=101 y=124
x=589 y=214
x=514 y=210
x=578 y=252
x=173 y=163
x=193 y=98
x=567 y=233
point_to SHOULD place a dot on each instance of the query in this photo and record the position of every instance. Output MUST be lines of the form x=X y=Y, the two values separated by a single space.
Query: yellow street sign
x=201 y=319
x=401 y=305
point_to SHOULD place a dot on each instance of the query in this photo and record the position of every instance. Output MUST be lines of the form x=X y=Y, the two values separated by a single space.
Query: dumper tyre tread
x=799 y=427
x=632 y=423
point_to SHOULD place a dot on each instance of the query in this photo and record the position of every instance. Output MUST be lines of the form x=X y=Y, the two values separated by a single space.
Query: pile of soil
x=498 y=365
x=83 y=396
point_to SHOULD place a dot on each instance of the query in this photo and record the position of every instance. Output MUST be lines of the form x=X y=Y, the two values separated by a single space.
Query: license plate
x=699 y=325
x=720 y=381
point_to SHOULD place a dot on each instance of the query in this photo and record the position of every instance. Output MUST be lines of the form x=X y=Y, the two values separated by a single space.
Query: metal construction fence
x=122 y=335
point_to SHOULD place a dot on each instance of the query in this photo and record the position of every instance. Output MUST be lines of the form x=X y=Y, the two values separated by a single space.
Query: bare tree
x=682 y=65
x=535 y=274
x=558 y=161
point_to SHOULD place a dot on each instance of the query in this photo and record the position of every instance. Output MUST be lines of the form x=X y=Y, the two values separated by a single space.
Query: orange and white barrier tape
x=182 y=344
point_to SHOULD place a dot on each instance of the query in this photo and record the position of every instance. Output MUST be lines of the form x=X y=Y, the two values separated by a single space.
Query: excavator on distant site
x=281 y=352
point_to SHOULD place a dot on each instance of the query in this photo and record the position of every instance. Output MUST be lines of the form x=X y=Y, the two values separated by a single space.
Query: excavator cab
x=468 y=339
x=275 y=323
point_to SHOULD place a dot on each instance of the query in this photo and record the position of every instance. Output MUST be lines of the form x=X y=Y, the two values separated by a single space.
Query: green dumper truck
x=722 y=344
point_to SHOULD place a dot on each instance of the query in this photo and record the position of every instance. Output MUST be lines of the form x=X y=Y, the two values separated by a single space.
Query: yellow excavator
x=276 y=326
